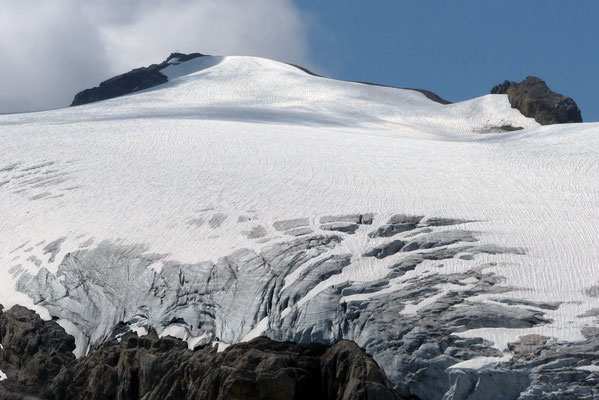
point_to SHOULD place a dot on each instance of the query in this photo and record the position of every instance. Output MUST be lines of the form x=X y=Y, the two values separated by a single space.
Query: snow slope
x=239 y=158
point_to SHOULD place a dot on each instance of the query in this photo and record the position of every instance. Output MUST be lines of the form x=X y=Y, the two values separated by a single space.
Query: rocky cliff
x=533 y=98
x=37 y=358
x=130 y=82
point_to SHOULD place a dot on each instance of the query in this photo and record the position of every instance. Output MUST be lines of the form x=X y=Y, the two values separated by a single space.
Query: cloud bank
x=51 y=49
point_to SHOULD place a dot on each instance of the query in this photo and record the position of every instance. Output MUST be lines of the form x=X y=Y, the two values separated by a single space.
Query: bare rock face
x=37 y=358
x=347 y=374
x=33 y=351
x=129 y=82
x=533 y=98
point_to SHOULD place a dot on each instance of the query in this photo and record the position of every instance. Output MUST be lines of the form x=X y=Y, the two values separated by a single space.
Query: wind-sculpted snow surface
x=246 y=198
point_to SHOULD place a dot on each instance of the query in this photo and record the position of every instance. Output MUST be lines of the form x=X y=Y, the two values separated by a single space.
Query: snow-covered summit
x=245 y=197
x=255 y=89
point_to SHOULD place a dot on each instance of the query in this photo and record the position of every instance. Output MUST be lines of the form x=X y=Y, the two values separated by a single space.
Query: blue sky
x=459 y=49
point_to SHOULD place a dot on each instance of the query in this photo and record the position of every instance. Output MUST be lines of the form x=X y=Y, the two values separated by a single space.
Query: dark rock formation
x=33 y=351
x=129 y=82
x=533 y=98
x=37 y=358
x=348 y=373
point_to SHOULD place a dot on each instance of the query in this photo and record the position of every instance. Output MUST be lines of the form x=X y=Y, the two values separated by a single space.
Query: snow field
x=176 y=167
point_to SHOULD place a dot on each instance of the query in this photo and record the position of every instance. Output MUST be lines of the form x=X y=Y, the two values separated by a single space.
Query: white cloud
x=53 y=48
x=49 y=49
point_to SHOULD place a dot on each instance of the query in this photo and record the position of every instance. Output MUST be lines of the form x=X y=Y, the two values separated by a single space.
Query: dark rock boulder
x=533 y=98
x=129 y=82
x=38 y=360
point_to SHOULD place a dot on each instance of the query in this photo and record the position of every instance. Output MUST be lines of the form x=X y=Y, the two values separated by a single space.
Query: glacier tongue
x=246 y=197
x=335 y=294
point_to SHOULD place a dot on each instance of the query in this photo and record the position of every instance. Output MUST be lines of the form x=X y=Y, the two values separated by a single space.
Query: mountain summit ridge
x=150 y=76
x=130 y=82
x=532 y=97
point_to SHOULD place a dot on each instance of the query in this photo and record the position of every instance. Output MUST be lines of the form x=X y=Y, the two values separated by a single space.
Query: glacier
x=245 y=197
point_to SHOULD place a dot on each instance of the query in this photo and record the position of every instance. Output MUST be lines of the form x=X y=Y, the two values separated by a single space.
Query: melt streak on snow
x=214 y=160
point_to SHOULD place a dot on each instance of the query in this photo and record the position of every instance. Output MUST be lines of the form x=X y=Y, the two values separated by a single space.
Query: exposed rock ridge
x=37 y=357
x=533 y=98
x=430 y=95
x=129 y=82
x=33 y=352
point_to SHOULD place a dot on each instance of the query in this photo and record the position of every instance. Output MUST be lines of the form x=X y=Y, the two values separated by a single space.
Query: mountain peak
x=132 y=81
x=182 y=57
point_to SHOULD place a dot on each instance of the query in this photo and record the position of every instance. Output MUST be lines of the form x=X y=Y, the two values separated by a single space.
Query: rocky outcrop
x=347 y=374
x=129 y=82
x=37 y=358
x=533 y=98
x=33 y=351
